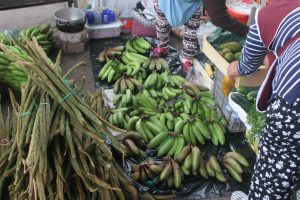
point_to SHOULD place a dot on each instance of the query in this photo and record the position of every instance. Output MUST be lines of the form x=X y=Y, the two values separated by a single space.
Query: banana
x=179 y=126
x=233 y=164
x=214 y=137
x=202 y=169
x=158 y=65
x=156 y=169
x=219 y=133
x=158 y=139
x=186 y=133
x=111 y=75
x=146 y=63
x=193 y=137
x=149 y=134
x=139 y=128
x=135 y=136
x=149 y=173
x=207 y=100
x=152 y=64
x=176 y=174
x=214 y=163
x=203 y=129
x=184 y=152
x=197 y=134
x=179 y=148
x=129 y=46
x=174 y=147
x=131 y=123
x=132 y=147
x=155 y=128
x=164 y=63
x=234 y=174
x=166 y=147
x=166 y=172
x=143 y=43
x=137 y=48
x=195 y=158
x=129 y=84
x=209 y=169
x=187 y=163
x=241 y=159
x=220 y=177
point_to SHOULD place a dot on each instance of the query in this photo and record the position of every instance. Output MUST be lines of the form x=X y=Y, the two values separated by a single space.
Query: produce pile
x=246 y=98
x=57 y=142
x=11 y=73
x=164 y=112
x=230 y=51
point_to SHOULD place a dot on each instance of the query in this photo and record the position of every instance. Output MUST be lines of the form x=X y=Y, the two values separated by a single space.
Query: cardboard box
x=251 y=81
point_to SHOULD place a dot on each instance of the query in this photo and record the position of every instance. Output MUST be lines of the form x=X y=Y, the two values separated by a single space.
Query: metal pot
x=70 y=20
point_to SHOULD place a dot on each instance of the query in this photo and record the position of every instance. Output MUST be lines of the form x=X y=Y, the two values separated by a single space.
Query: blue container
x=90 y=17
x=107 y=16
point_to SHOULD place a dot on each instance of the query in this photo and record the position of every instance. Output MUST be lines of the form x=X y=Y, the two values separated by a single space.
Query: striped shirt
x=286 y=82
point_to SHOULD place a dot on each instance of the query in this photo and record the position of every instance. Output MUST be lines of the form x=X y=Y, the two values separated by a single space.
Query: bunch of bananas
x=156 y=64
x=167 y=143
x=147 y=105
x=10 y=72
x=110 y=53
x=122 y=100
x=195 y=132
x=170 y=92
x=193 y=89
x=5 y=39
x=148 y=127
x=192 y=161
x=172 y=174
x=133 y=143
x=217 y=133
x=214 y=170
x=146 y=171
x=118 y=117
x=151 y=93
x=111 y=71
x=138 y=45
x=126 y=82
x=172 y=79
x=133 y=68
x=234 y=163
x=153 y=81
x=129 y=57
x=42 y=33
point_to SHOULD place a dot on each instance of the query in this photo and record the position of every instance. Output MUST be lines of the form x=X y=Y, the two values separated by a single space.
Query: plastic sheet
x=195 y=187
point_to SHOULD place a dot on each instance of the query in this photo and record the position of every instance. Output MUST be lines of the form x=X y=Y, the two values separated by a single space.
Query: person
x=189 y=13
x=277 y=168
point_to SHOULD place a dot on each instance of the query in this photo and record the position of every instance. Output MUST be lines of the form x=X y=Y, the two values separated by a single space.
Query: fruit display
x=42 y=33
x=164 y=113
x=230 y=51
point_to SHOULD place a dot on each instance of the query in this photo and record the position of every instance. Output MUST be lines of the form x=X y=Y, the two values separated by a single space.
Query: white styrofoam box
x=104 y=30
x=71 y=37
x=239 y=110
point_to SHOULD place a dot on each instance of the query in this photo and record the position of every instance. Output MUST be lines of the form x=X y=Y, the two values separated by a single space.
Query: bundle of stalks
x=60 y=146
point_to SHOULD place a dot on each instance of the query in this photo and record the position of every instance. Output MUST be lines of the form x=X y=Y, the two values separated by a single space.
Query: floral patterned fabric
x=277 y=168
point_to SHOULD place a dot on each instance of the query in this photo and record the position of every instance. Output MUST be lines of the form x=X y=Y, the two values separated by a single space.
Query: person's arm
x=217 y=11
x=253 y=55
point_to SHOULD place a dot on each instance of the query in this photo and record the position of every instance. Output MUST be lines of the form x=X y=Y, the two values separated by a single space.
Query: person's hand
x=232 y=70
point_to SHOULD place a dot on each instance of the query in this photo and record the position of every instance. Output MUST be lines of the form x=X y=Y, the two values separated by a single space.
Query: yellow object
x=208 y=69
x=227 y=85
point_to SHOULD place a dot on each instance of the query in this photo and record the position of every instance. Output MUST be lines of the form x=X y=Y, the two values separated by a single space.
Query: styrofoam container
x=104 y=30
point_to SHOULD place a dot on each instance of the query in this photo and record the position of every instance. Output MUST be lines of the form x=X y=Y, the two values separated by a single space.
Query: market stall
x=147 y=132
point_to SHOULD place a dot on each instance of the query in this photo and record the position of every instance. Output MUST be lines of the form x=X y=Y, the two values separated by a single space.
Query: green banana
x=234 y=174
x=214 y=163
x=241 y=159
x=166 y=147
x=166 y=172
x=195 y=158
x=157 y=140
x=233 y=164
